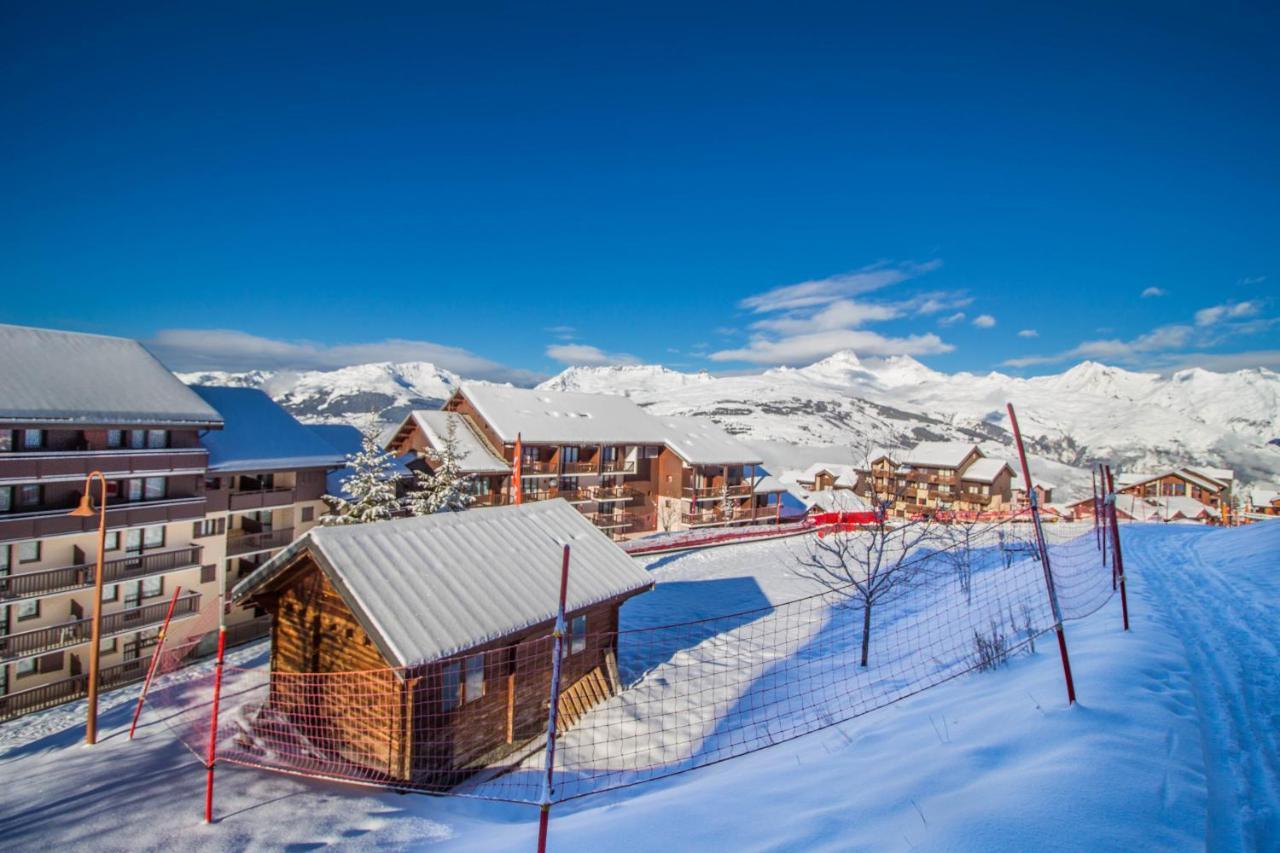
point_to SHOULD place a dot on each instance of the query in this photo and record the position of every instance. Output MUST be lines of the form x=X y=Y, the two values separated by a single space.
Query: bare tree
x=961 y=542
x=668 y=515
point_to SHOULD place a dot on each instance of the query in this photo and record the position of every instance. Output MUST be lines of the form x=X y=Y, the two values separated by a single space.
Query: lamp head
x=85 y=510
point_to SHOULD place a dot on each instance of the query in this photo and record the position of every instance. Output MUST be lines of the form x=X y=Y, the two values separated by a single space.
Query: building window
x=153 y=536
x=112 y=541
x=6 y=440
x=577 y=640
x=29 y=552
x=157 y=439
x=111 y=592
x=208 y=574
x=450 y=685
x=115 y=438
x=26 y=667
x=107 y=646
x=308 y=514
x=151 y=587
x=4 y=560
x=6 y=498
x=137 y=439
x=32 y=439
x=473 y=685
x=133 y=490
x=29 y=609
x=153 y=488
x=30 y=494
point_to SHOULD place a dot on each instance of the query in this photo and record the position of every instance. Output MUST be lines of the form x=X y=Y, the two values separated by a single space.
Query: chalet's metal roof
x=53 y=377
x=475 y=456
x=562 y=417
x=430 y=587
x=985 y=470
x=843 y=474
x=259 y=435
x=699 y=441
x=937 y=454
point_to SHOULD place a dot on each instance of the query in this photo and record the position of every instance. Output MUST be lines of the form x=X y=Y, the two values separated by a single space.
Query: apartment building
x=264 y=487
x=937 y=477
x=71 y=404
x=626 y=470
x=1209 y=486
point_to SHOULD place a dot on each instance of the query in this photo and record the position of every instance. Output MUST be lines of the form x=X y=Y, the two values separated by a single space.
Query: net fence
x=642 y=701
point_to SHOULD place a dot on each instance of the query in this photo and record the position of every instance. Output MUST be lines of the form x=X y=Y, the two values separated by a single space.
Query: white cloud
x=984 y=321
x=842 y=314
x=229 y=349
x=1230 y=311
x=1028 y=333
x=1250 y=280
x=806 y=348
x=587 y=355
x=951 y=319
x=1153 y=291
x=564 y=333
x=808 y=294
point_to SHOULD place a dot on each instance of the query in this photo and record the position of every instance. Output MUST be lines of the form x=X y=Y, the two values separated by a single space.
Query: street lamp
x=85 y=510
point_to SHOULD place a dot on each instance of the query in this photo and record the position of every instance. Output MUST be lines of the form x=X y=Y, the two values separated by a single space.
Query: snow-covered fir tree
x=370 y=485
x=446 y=489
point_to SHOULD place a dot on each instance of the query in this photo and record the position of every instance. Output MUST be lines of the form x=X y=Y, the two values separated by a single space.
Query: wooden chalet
x=937 y=477
x=437 y=630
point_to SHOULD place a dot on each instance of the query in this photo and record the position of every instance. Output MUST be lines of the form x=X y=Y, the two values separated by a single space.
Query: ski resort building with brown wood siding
x=439 y=628
x=937 y=477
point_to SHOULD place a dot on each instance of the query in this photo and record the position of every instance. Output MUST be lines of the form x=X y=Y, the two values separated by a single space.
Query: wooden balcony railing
x=115 y=570
x=580 y=466
x=66 y=689
x=709 y=517
x=491 y=499
x=536 y=466
x=247 y=543
x=77 y=631
x=251 y=499
x=736 y=490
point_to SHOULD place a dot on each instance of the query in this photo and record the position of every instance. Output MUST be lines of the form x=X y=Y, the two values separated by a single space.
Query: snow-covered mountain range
x=797 y=415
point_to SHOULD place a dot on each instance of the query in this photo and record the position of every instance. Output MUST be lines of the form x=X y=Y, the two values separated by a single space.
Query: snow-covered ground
x=1172 y=746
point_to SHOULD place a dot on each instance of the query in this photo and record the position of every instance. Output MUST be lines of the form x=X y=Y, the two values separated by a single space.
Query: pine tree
x=370 y=484
x=446 y=489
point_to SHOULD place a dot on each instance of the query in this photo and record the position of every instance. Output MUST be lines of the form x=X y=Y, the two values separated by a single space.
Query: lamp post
x=85 y=510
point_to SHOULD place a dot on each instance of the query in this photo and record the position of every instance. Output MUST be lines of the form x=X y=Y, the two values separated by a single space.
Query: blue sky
x=509 y=188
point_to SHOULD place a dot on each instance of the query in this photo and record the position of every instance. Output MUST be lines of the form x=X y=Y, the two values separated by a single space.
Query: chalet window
x=207 y=527
x=480 y=486
x=133 y=490
x=4 y=560
x=29 y=552
x=6 y=498
x=569 y=454
x=151 y=587
x=26 y=667
x=32 y=439
x=154 y=488
x=111 y=592
x=577 y=639
x=30 y=494
x=208 y=574
x=153 y=536
x=6 y=440
x=107 y=646
x=112 y=541
x=29 y=609
x=137 y=439
x=450 y=685
x=652 y=452
x=51 y=663
x=308 y=514
x=157 y=439
x=473 y=685
x=115 y=438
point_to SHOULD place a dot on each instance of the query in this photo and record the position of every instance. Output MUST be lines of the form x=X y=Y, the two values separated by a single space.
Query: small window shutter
x=195 y=530
x=50 y=663
x=208 y=574
x=222 y=526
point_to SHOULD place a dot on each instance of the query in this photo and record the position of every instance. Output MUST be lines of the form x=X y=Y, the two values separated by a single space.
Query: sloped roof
x=836 y=500
x=699 y=441
x=68 y=377
x=1223 y=475
x=767 y=484
x=348 y=441
x=562 y=417
x=259 y=435
x=1181 y=506
x=938 y=454
x=430 y=587
x=845 y=475
x=475 y=456
x=986 y=470
x=1125 y=481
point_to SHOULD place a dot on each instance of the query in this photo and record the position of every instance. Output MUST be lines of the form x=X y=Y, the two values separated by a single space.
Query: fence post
x=155 y=659
x=213 y=724
x=1117 y=573
x=1044 y=558
x=553 y=712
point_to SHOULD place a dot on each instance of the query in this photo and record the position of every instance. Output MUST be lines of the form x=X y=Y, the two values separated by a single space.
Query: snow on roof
x=699 y=441
x=1223 y=475
x=259 y=435
x=347 y=440
x=1181 y=506
x=845 y=475
x=68 y=377
x=433 y=586
x=768 y=484
x=475 y=456
x=986 y=470
x=1264 y=497
x=562 y=417
x=836 y=500
x=1191 y=475
x=938 y=454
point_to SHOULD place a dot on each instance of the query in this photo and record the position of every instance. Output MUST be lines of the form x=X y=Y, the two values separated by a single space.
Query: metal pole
x=95 y=648
x=1044 y=559
x=213 y=723
x=553 y=712
x=155 y=657
x=1118 y=573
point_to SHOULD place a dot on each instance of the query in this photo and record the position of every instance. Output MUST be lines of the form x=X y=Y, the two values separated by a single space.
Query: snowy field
x=1173 y=745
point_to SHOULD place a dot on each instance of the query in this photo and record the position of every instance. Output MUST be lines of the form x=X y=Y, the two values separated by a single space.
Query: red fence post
x=553 y=712
x=1117 y=574
x=155 y=658
x=213 y=726
x=1044 y=558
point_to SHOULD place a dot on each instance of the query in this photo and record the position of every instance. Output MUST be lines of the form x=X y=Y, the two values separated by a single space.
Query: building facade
x=937 y=479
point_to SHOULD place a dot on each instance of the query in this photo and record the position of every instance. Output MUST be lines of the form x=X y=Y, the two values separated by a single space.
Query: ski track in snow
x=1228 y=625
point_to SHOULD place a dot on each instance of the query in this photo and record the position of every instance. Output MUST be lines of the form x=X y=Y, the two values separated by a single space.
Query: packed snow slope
x=1172 y=746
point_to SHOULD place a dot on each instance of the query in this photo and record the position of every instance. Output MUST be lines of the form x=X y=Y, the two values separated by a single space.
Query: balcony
x=54 y=521
x=32 y=466
x=78 y=631
x=532 y=467
x=254 y=499
x=617 y=466
x=66 y=689
x=579 y=466
x=491 y=499
x=713 y=517
x=247 y=543
x=115 y=570
x=735 y=490
x=613 y=493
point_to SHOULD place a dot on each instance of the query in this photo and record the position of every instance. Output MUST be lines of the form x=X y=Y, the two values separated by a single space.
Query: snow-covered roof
x=1223 y=475
x=475 y=456
x=836 y=500
x=429 y=587
x=562 y=417
x=938 y=454
x=985 y=470
x=845 y=475
x=1191 y=475
x=1264 y=497
x=767 y=484
x=348 y=441
x=259 y=435
x=51 y=377
x=698 y=441
x=1181 y=506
